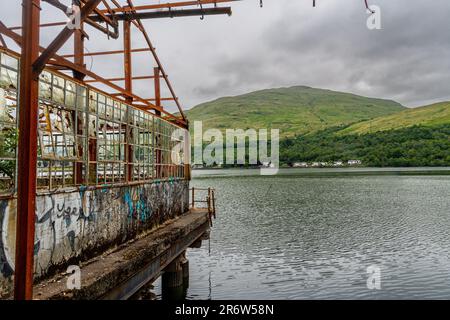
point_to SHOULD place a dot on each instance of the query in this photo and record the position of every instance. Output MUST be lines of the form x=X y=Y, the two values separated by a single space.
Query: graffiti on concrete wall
x=77 y=225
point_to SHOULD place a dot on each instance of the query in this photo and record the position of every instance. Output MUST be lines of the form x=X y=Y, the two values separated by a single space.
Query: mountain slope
x=432 y=115
x=409 y=146
x=294 y=110
x=413 y=137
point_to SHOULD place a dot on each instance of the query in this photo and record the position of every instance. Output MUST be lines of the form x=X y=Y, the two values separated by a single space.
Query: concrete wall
x=79 y=224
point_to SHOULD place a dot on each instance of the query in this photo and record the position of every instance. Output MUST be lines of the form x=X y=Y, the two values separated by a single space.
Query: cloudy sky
x=286 y=43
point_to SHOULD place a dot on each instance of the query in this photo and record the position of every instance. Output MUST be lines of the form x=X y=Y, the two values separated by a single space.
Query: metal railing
x=207 y=201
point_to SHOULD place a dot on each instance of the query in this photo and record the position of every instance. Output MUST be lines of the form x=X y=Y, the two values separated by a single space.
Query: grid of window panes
x=140 y=137
x=61 y=132
x=8 y=121
x=168 y=161
x=84 y=136
x=107 y=139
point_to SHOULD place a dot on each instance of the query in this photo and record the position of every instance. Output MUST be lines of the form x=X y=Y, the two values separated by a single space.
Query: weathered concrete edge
x=106 y=272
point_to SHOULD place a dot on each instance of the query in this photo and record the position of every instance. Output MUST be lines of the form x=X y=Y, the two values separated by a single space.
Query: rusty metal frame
x=34 y=58
x=27 y=155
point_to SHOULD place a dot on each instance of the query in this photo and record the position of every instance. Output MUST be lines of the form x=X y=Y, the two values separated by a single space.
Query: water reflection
x=312 y=236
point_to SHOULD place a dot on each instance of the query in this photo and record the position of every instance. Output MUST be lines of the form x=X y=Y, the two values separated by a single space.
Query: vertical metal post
x=128 y=74
x=78 y=48
x=27 y=152
x=208 y=200
x=193 y=197
x=156 y=75
x=213 y=202
x=127 y=67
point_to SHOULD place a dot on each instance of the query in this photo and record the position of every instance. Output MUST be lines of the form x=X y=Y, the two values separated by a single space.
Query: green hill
x=413 y=137
x=432 y=115
x=294 y=110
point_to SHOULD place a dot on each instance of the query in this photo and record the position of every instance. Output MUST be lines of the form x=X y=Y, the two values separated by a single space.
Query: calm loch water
x=312 y=234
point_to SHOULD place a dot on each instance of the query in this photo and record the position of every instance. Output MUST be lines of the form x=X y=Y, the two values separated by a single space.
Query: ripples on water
x=309 y=235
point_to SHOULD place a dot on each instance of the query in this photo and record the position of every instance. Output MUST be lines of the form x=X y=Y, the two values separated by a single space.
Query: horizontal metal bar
x=61 y=62
x=104 y=53
x=162 y=99
x=169 y=5
x=61 y=39
x=170 y=14
x=123 y=79
x=113 y=34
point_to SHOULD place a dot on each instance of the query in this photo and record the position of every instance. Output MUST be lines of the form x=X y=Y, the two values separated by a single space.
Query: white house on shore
x=354 y=162
x=300 y=165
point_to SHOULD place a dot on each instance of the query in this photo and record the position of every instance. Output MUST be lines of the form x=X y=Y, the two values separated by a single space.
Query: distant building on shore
x=354 y=162
x=300 y=165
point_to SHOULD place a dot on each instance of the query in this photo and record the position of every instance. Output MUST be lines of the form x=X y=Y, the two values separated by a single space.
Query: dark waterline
x=312 y=233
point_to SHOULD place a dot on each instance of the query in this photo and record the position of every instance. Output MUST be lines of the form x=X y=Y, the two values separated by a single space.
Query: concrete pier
x=173 y=279
x=120 y=273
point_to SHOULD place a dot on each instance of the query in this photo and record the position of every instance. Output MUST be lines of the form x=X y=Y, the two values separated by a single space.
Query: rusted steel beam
x=127 y=64
x=61 y=62
x=127 y=67
x=3 y=42
x=90 y=54
x=113 y=34
x=61 y=39
x=43 y=25
x=78 y=46
x=121 y=79
x=156 y=75
x=162 y=99
x=172 y=13
x=159 y=64
x=99 y=13
x=27 y=153
x=169 y=5
x=57 y=4
x=108 y=7
x=11 y=34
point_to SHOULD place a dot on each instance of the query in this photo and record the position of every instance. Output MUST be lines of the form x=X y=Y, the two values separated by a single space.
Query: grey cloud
x=290 y=43
x=408 y=60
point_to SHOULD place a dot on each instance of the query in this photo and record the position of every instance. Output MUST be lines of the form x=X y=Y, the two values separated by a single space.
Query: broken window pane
x=9 y=61
x=58 y=89
x=8 y=78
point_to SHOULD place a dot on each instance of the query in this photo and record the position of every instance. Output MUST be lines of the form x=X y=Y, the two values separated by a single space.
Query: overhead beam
x=162 y=99
x=111 y=33
x=90 y=54
x=57 y=4
x=158 y=62
x=170 y=14
x=3 y=42
x=168 y=5
x=106 y=19
x=61 y=62
x=61 y=39
x=121 y=79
